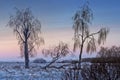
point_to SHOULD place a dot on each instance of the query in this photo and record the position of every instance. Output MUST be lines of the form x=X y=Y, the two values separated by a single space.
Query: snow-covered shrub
x=39 y=60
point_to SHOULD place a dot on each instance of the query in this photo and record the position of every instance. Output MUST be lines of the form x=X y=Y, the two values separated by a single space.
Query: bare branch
x=56 y=52
x=19 y=35
x=30 y=49
x=92 y=34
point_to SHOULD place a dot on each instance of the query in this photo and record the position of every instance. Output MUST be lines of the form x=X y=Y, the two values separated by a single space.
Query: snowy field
x=16 y=71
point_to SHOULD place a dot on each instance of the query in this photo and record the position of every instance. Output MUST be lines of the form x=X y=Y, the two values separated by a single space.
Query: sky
x=56 y=20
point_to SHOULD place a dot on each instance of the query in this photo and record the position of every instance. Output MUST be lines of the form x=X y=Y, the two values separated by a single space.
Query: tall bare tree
x=27 y=30
x=82 y=36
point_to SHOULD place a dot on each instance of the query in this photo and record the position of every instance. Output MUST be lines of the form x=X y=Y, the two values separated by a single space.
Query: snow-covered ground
x=16 y=71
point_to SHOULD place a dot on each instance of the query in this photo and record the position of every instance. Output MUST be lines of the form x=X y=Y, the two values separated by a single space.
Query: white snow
x=16 y=71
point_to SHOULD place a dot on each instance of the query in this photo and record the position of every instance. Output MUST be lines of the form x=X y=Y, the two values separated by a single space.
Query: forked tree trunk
x=26 y=54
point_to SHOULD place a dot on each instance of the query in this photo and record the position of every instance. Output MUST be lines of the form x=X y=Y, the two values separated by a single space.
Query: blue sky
x=56 y=19
x=105 y=10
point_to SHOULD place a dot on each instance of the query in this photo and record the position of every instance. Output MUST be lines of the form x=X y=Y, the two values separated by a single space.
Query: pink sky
x=9 y=49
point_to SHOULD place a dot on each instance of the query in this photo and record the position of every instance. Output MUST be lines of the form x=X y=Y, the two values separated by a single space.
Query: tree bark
x=26 y=54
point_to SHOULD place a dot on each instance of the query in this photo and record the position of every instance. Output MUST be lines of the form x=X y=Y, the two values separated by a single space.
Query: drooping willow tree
x=83 y=36
x=28 y=32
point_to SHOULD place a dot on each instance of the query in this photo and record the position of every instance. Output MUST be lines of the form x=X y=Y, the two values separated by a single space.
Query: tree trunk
x=80 y=56
x=79 y=62
x=26 y=54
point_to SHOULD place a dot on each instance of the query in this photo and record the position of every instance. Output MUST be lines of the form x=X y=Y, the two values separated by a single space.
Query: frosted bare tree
x=27 y=30
x=83 y=36
x=57 y=52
